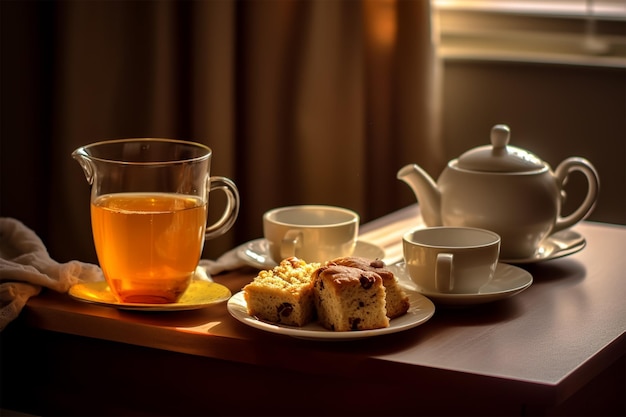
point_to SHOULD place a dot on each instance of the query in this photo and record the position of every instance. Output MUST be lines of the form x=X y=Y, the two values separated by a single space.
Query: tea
x=148 y=244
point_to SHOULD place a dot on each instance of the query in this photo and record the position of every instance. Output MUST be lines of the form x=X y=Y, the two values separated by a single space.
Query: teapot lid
x=499 y=156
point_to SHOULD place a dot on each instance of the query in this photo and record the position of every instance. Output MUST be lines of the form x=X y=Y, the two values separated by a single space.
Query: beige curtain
x=302 y=102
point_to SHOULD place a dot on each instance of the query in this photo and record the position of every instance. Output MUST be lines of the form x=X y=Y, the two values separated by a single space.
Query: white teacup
x=457 y=260
x=313 y=233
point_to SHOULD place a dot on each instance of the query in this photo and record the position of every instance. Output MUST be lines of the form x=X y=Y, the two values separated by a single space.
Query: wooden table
x=557 y=348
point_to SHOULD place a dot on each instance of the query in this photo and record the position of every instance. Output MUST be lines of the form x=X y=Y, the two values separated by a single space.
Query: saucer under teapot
x=505 y=189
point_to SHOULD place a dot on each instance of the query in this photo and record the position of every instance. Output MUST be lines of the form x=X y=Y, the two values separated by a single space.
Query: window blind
x=605 y=9
x=574 y=32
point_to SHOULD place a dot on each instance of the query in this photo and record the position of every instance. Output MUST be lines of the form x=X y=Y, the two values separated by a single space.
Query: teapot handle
x=562 y=171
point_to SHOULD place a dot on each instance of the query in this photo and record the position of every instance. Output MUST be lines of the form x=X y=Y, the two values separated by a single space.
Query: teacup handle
x=444 y=279
x=231 y=211
x=291 y=241
x=562 y=171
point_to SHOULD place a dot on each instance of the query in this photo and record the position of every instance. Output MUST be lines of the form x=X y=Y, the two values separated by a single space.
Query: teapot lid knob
x=499 y=156
x=500 y=136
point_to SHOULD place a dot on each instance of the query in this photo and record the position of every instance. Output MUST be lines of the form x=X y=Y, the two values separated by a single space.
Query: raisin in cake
x=349 y=298
x=283 y=294
x=397 y=300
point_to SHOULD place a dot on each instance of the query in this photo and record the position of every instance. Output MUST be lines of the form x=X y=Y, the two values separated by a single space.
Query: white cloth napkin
x=229 y=261
x=26 y=267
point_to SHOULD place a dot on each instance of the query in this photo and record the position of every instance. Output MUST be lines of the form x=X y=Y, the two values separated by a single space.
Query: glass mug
x=149 y=211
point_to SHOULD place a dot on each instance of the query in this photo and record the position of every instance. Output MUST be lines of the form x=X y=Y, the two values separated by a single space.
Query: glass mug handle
x=444 y=278
x=231 y=211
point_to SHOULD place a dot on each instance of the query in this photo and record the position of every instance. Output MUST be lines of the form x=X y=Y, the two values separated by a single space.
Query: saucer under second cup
x=508 y=281
x=255 y=253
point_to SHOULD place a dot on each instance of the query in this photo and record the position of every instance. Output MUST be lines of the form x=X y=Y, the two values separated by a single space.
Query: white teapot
x=504 y=189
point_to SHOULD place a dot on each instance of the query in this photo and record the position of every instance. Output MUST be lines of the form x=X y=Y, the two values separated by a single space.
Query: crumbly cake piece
x=349 y=298
x=397 y=300
x=283 y=294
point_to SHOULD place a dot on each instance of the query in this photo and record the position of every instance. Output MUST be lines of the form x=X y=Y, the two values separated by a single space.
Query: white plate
x=199 y=294
x=563 y=243
x=508 y=281
x=256 y=253
x=421 y=309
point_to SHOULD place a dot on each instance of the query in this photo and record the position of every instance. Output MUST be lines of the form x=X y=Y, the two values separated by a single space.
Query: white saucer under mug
x=256 y=253
x=508 y=281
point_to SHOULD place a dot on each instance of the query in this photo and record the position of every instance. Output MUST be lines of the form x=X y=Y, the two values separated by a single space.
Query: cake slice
x=349 y=298
x=397 y=302
x=283 y=294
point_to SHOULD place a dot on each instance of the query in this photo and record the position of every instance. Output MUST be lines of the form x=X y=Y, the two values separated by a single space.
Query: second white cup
x=314 y=233
x=458 y=260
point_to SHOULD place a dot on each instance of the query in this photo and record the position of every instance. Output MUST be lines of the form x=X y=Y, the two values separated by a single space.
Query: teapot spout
x=426 y=192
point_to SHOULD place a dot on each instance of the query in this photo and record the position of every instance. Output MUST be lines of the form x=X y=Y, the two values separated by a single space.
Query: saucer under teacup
x=255 y=253
x=508 y=281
